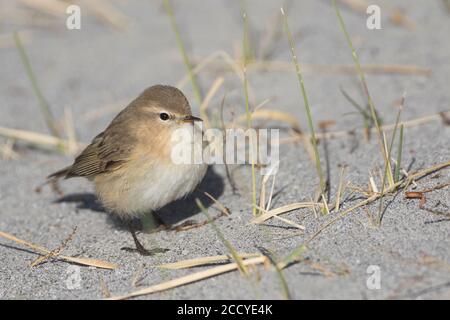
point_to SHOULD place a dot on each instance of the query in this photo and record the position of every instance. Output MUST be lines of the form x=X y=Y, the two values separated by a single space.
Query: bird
x=130 y=163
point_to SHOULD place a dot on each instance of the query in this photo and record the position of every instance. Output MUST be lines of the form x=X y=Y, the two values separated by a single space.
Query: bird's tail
x=59 y=174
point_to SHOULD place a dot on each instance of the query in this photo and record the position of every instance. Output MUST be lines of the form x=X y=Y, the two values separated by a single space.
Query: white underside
x=148 y=186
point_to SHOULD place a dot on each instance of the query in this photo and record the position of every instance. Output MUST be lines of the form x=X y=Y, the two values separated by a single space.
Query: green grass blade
x=362 y=78
x=237 y=258
x=249 y=121
x=387 y=168
x=248 y=55
x=273 y=260
x=45 y=107
x=306 y=103
x=293 y=257
x=182 y=48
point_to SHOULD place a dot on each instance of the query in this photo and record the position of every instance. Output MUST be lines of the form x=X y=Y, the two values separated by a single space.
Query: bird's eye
x=164 y=116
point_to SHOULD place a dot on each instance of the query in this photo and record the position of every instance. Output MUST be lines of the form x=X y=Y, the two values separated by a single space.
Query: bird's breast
x=147 y=183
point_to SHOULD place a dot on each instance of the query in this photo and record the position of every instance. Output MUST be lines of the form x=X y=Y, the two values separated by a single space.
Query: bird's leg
x=139 y=247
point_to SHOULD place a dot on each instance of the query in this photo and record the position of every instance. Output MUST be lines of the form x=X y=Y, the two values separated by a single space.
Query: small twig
x=41 y=250
x=54 y=253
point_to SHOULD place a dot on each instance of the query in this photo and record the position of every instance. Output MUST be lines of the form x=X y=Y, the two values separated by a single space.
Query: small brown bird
x=130 y=162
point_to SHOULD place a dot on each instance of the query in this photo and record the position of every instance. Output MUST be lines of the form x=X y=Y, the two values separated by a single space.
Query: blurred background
x=125 y=46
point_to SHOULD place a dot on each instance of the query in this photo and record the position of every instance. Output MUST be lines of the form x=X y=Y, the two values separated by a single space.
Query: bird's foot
x=144 y=252
x=141 y=249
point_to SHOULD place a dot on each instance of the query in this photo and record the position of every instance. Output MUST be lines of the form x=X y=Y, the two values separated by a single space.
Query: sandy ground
x=95 y=71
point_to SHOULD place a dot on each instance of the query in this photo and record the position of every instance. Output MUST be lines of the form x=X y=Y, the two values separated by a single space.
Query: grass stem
x=249 y=122
x=306 y=103
x=45 y=107
x=362 y=77
x=237 y=258
x=388 y=168
x=182 y=48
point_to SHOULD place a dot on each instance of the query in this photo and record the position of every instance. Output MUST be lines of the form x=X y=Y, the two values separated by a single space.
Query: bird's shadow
x=171 y=214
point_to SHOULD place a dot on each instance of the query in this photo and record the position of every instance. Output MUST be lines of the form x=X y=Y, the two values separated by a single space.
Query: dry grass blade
x=262 y=194
x=368 y=69
x=346 y=133
x=398 y=162
x=289 y=222
x=41 y=250
x=308 y=68
x=273 y=115
x=205 y=103
x=56 y=252
x=340 y=190
x=438 y=187
x=372 y=185
x=222 y=208
x=37 y=139
x=395 y=14
x=342 y=68
x=202 y=64
x=52 y=7
x=272 y=188
x=72 y=144
x=287 y=208
x=104 y=288
x=403 y=183
x=264 y=180
x=197 y=262
x=194 y=277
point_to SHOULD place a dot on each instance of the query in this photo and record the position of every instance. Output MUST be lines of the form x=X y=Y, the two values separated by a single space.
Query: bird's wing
x=107 y=152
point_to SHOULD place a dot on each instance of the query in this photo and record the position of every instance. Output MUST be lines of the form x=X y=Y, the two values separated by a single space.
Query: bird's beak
x=190 y=119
